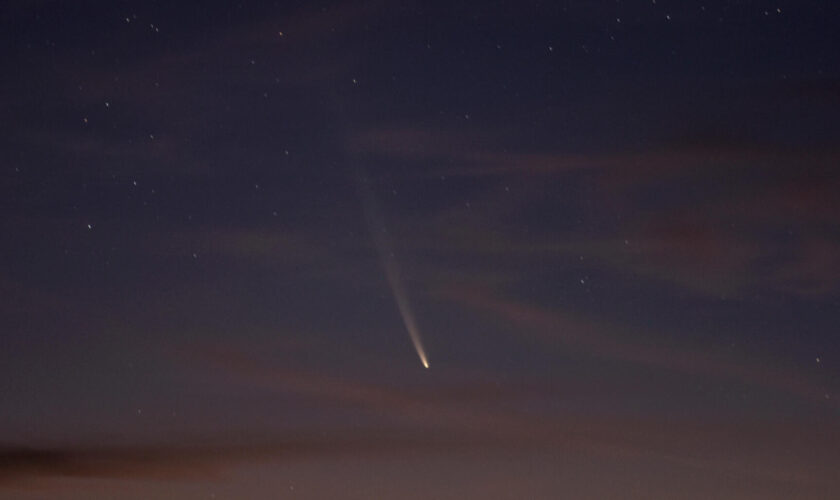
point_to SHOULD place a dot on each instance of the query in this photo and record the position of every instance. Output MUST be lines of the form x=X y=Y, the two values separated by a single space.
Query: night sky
x=232 y=231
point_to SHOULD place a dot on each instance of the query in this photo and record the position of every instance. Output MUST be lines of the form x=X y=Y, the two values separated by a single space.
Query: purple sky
x=615 y=222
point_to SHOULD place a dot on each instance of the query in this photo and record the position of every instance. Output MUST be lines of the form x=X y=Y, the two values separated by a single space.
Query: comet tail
x=392 y=270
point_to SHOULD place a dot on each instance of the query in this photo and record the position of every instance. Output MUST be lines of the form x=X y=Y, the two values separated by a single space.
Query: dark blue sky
x=614 y=221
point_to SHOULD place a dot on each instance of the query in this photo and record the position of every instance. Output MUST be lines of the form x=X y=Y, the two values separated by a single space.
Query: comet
x=384 y=248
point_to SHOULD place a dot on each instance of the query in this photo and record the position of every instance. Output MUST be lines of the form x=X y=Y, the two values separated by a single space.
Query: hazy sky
x=615 y=224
